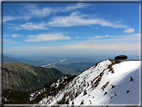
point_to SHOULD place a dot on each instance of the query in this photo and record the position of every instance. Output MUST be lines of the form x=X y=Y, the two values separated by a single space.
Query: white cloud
x=101 y=36
x=33 y=26
x=15 y=35
x=133 y=38
x=30 y=10
x=33 y=10
x=30 y=26
x=6 y=40
x=73 y=7
x=9 y=18
x=14 y=28
x=9 y=41
x=131 y=30
x=98 y=36
x=77 y=19
x=46 y=37
x=77 y=37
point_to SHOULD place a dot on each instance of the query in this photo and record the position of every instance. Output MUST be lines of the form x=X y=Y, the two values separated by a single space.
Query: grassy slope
x=21 y=76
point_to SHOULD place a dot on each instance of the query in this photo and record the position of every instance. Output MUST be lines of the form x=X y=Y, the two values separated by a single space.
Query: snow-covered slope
x=102 y=84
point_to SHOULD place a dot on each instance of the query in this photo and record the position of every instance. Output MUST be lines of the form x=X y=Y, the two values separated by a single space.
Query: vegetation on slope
x=15 y=97
x=24 y=77
x=23 y=97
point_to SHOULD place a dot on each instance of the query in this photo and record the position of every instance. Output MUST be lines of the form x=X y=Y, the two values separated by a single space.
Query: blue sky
x=44 y=29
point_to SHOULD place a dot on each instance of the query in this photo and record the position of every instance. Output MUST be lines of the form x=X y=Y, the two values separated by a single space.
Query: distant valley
x=67 y=65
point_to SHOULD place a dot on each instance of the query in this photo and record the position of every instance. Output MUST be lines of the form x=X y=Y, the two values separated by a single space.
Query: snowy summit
x=104 y=83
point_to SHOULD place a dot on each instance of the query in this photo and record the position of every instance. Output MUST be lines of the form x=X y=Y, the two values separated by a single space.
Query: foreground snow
x=105 y=83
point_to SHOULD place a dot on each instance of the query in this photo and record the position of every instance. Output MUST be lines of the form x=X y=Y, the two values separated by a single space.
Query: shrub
x=87 y=84
x=76 y=94
x=104 y=86
x=85 y=92
x=73 y=103
x=71 y=97
x=67 y=102
x=82 y=102
x=105 y=93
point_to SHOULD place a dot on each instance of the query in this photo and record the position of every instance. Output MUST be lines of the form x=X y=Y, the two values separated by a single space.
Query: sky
x=71 y=29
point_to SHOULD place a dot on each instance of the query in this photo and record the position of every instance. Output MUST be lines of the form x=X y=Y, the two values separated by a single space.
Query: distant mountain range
x=9 y=59
x=24 y=77
x=71 y=66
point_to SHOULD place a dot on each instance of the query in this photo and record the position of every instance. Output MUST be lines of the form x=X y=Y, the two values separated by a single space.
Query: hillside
x=102 y=84
x=24 y=77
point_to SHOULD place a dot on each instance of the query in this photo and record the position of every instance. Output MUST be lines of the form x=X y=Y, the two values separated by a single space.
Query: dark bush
x=85 y=92
x=82 y=102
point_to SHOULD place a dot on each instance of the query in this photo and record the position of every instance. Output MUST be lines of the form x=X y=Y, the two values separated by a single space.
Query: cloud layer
x=29 y=11
x=81 y=19
x=115 y=45
x=46 y=37
x=75 y=19
x=33 y=26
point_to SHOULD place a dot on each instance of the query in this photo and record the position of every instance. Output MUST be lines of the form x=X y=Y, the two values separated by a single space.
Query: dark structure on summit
x=120 y=58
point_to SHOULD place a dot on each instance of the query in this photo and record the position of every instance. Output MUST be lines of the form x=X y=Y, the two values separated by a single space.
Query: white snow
x=59 y=81
x=125 y=91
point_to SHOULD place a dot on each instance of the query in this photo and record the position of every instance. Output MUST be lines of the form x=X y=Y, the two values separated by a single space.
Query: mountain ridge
x=100 y=84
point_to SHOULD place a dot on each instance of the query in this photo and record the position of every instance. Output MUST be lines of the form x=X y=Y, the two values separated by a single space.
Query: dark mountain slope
x=24 y=77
